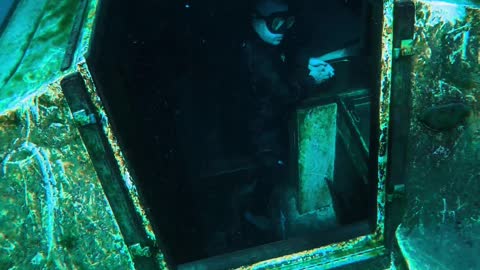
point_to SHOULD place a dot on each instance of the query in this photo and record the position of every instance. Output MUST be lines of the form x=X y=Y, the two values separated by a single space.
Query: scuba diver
x=274 y=89
x=273 y=92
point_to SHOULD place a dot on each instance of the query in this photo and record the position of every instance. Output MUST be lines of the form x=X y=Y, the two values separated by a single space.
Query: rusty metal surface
x=384 y=113
x=442 y=223
x=54 y=213
x=43 y=146
x=120 y=159
x=32 y=48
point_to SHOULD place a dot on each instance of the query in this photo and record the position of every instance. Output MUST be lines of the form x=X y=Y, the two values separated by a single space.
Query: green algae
x=42 y=54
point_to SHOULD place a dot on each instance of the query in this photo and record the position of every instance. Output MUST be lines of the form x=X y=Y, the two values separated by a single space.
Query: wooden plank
x=317 y=129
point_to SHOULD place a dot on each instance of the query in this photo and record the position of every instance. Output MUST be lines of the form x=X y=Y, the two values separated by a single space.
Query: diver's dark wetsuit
x=271 y=96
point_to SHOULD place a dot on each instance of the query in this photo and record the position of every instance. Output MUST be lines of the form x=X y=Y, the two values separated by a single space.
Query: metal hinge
x=81 y=118
x=406 y=49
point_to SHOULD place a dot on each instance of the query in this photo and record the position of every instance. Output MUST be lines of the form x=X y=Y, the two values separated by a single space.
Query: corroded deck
x=442 y=222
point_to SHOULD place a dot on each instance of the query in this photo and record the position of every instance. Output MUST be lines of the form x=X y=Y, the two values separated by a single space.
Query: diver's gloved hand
x=320 y=70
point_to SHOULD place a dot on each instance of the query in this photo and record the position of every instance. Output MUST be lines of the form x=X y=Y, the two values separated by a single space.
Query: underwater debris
x=445 y=117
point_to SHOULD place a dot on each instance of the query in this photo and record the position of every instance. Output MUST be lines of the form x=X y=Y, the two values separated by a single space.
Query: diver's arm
x=336 y=55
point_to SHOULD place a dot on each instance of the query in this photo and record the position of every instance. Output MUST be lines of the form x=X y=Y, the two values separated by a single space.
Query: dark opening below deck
x=162 y=75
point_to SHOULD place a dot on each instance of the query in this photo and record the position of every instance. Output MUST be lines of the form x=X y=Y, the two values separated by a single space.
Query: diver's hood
x=268 y=7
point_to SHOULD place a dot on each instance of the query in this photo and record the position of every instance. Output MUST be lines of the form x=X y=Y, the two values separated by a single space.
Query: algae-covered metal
x=122 y=164
x=54 y=211
x=443 y=150
x=32 y=47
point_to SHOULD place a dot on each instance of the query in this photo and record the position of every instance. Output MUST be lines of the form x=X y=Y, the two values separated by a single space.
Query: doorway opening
x=173 y=78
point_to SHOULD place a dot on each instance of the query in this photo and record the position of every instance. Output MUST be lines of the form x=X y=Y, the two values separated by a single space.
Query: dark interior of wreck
x=164 y=70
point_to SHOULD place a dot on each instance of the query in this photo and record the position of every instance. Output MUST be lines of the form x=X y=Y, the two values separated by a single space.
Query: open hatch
x=164 y=70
